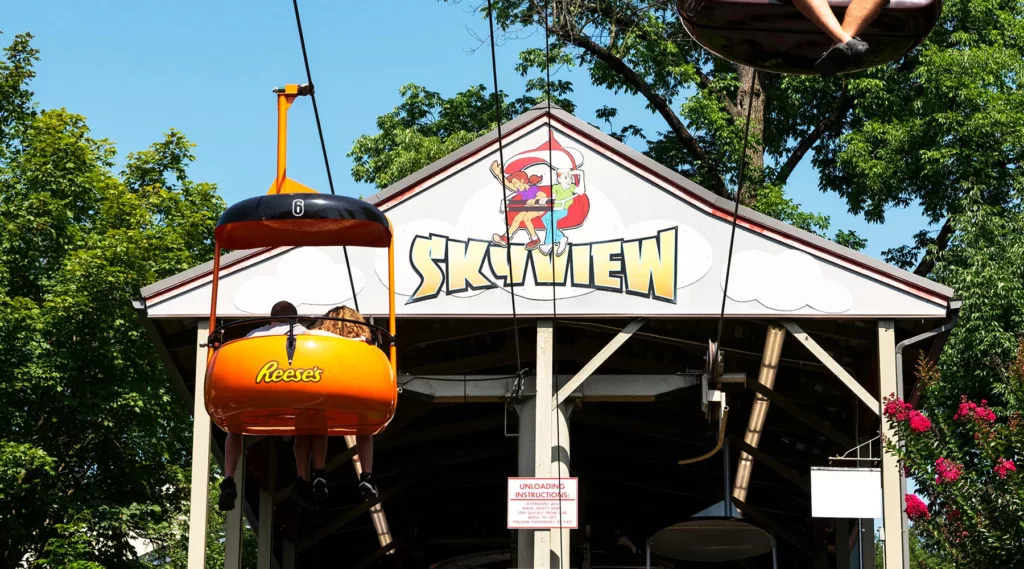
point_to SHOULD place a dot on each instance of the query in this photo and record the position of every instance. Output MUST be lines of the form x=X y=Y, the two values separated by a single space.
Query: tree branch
x=631 y=77
x=658 y=103
x=812 y=138
x=941 y=242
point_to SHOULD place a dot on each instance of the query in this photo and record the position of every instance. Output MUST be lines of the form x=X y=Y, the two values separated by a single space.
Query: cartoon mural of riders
x=532 y=202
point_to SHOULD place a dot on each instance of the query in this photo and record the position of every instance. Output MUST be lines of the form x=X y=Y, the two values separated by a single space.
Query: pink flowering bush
x=969 y=503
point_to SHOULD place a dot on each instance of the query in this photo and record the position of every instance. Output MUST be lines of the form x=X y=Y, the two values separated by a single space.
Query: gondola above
x=775 y=36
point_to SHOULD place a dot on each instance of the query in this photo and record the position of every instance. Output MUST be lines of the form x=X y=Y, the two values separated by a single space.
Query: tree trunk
x=755 y=147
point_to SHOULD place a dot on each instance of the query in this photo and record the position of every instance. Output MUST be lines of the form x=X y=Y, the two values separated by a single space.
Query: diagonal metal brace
x=833 y=366
x=596 y=361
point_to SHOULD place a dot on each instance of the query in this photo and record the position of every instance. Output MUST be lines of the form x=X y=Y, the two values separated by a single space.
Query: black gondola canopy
x=301 y=219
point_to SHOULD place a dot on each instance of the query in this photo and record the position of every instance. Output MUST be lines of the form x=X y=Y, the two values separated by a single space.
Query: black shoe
x=303 y=494
x=836 y=60
x=858 y=48
x=367 y=487
x=228 y=495
x=319 y=485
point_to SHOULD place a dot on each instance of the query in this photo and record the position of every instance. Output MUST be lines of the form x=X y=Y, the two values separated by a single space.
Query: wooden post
x=542 y=430
x=268 y=486
x=894 y=522
x=200 y=458
x=233 y=526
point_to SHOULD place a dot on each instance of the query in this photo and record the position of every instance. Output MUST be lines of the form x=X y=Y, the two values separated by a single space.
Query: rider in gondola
x=848 y=48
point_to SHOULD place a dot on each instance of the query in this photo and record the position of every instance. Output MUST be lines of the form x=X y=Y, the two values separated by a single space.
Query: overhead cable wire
x=323 y=144
x=518 y=386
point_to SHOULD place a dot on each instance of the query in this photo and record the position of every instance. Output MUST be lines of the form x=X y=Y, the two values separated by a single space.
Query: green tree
x=962 y=458
x=426 y=127
x=173 y=553
x=96 y=446
x=920 y=557
x=888 y=137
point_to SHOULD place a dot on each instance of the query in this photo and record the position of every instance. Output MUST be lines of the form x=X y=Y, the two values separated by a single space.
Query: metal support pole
x=233 y=526
x=288 y=555
x=527 y=443
x=265 y=546
x=560 y=549
x=200 y=458
x=894 y=521
x=727 y=495
x=542 y=434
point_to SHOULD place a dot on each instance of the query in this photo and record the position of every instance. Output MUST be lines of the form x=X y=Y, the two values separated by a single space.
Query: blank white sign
x=846 y=493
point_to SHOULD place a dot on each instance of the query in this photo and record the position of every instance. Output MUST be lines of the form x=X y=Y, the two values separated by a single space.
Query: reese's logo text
x=271 y=372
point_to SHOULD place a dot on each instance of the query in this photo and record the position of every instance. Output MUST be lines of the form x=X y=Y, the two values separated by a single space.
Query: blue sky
x=136 y=69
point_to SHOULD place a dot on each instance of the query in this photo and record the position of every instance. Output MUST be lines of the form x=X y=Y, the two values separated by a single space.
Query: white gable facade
x=639 y=240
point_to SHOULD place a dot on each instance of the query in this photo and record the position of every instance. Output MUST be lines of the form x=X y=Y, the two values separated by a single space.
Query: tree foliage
x=889 y=137
x=96 y=446
x=962 y=458
x=426 y=127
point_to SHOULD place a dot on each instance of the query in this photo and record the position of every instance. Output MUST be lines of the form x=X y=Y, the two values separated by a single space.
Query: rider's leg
x=232 y=451
x=860 y=14
x=819 y=12
x=319 y=449
x=301 y=449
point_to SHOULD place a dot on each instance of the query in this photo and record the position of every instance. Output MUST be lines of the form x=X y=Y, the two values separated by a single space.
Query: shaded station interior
x=443 y=464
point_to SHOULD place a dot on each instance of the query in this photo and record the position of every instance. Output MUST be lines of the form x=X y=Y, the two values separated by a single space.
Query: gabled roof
x=463 y=169
x=725 y=206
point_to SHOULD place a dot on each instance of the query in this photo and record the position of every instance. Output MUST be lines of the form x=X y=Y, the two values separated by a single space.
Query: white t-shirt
x=282 y=330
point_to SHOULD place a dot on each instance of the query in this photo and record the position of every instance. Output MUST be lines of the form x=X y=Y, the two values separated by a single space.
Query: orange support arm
x=285 y=96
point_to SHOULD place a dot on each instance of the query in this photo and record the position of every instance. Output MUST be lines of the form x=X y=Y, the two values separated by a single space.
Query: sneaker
x=319 y=485
x=532 y=244
x=835 y=60
x=858 y=48
x=367 y=488
x=545 y=249
x=228 y=494
x=563 y=244
x=303 y=494
x=499 y=239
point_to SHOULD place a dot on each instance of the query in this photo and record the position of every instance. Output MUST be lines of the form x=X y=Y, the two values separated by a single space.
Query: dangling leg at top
x=847 y=48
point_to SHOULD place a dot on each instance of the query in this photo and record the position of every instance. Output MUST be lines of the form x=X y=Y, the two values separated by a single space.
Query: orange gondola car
x=300 y=384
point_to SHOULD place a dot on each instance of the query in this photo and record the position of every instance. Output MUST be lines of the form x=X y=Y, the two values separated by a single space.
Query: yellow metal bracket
x=285 y=96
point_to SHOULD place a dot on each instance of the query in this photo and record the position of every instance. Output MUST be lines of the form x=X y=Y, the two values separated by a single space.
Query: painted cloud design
x=785 y=282
x=292 y=282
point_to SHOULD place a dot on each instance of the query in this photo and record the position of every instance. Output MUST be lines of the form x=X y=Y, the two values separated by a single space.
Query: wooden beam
x=445 y=430
x=596 y=361
x=763 y=457
x=812 y=420
x=413 y=472
x=371 y=558
x=776 y=527
x=833 y=366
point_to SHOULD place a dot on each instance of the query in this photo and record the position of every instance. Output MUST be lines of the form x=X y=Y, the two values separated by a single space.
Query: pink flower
x=971 y=410
x=897 y=409
x=1004 y=467
x=916 y=510
x=948 y=470
x=918 y=422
